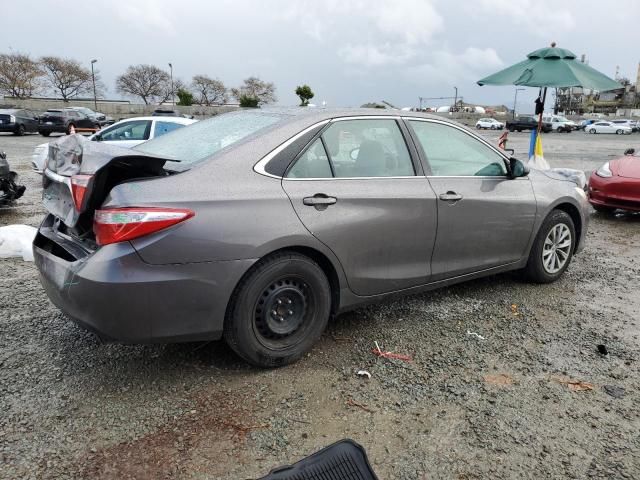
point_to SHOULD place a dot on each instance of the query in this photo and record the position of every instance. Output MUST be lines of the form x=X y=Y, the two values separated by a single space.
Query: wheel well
x=573 y=212
x=315 y=255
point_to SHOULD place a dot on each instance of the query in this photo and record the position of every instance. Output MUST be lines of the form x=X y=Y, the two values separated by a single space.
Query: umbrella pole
x=544 y=97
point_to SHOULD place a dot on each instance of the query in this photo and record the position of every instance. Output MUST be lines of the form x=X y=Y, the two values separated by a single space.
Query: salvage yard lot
x=532 y=398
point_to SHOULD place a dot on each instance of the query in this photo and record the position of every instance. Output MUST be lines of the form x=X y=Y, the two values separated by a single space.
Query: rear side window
x=313 y=163
x=453 y=152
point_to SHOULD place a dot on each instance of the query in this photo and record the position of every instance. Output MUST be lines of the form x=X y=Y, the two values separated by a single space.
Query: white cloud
x=542 y=18
x=146 y=15
x=375 y=55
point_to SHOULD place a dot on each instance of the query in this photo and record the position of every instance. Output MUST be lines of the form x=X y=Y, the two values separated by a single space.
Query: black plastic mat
x=343 y=460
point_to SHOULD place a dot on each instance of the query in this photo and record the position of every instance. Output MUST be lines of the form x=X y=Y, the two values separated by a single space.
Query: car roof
x=182 y=120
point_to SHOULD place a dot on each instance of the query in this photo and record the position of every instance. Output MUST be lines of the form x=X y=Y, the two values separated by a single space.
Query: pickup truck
x=526 y=123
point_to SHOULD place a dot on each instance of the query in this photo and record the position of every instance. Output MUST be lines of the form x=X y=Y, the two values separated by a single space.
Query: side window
x=367 y=148
x=136 y=130
x=452 y=152
x=160 y=128
x=314 y=163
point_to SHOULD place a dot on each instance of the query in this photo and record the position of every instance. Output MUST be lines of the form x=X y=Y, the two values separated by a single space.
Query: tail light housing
x=79 y=187
x=114 y=225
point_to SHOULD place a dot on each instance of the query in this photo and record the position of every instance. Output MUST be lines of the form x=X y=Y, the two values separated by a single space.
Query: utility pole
x=455 y=101
x=173 y=97
x=515 y=100
x=93 y=77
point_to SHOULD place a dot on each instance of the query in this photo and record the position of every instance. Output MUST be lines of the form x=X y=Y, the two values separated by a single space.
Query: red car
x=617 y=184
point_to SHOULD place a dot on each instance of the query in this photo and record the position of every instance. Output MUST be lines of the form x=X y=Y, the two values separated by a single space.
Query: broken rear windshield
x=202 y=139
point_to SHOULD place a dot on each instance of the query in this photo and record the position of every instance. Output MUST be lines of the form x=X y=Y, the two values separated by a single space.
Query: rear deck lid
x=76 y=164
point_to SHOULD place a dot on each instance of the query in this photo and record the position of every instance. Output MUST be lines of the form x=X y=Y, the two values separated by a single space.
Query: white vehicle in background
x=632 y=124
x=560 y=123
x=489 y=123
x=126 y=133
x=608 y=127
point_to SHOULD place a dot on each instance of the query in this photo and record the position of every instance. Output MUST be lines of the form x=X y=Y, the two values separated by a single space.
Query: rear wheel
x=493 y=127
x=619 y=132
x=279 y=310
x=478 y=126
x=20 y=130
x=553 y=248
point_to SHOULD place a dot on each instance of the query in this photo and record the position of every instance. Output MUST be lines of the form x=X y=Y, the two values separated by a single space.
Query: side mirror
x=517 y=168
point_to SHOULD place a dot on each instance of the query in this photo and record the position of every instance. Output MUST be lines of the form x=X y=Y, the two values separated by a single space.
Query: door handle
x=320 y=201
x=450 y=196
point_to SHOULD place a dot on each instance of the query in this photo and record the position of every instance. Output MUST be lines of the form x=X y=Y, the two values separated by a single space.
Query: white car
x=126 y=133
x=489 y=123
x=560 y=123
x=607 y=127
x=632 y=124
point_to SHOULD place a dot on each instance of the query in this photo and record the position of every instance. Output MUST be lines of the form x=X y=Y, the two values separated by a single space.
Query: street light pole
x=455 y=101
x=93 y=77
x=173 y=97
x=515 y=99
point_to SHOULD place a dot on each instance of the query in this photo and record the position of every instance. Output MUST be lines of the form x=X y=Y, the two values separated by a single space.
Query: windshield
x=202 y=139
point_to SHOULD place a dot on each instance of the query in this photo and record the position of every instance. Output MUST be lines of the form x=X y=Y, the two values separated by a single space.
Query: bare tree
x=253 y=87
x=68 y=77
x=148 y=82
x=20 y=76
x=209 y=91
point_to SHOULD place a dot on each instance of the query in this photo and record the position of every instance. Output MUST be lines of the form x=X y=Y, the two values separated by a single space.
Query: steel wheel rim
x=556 y=248
x=283 y=311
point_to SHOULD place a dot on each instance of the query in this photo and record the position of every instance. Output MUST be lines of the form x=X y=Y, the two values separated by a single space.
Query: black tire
x=592 y=130
x=535 y=271
x=511 y=129
x=493 y=127
x=45 y=134
x=603 y=209
x=20 y=130
x=619 y=132
x=278 y=310
x=478 y=127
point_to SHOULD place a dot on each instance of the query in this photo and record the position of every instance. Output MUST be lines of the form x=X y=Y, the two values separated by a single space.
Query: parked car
x=608 y=127
x=489 y=123
x=9 y=188
x=632 y=124
x=560 y=123
x=257 y=226
x=126 y=133
x=527 y=123
x=18 y=121
x=61 y=121
x=585 y=123
x=616 y=184
x=100 y=118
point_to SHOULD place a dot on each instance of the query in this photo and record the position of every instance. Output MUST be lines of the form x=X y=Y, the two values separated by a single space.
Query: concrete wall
x=116 y=109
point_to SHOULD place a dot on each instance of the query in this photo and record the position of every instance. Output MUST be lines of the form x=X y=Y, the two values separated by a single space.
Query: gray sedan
x=259 y=225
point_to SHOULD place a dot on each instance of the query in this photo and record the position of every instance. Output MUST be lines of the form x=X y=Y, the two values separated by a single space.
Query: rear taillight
x=79 y=186
x=114 y=225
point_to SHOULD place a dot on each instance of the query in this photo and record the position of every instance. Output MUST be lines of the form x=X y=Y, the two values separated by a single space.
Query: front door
x=356 y=190
x=485 y=219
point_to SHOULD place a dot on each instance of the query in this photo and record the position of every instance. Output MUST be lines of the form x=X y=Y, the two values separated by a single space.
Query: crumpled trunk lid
x=107 y=165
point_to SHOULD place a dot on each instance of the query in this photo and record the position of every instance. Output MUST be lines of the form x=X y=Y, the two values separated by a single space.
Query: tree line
x=23 y=77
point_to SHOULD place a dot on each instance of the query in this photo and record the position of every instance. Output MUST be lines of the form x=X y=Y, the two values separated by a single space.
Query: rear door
x=357 y=189
x=161 y=127
x=485 y=219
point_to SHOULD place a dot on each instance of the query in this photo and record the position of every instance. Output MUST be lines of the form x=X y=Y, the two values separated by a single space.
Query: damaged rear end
x=83 y=252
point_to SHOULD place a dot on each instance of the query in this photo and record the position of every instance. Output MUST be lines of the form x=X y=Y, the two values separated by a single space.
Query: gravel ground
x=532 y=398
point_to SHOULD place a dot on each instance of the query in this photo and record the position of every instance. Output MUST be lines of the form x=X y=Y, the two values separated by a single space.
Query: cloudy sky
x=348 y=51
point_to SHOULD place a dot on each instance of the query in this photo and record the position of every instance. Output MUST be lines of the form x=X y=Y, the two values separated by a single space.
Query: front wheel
x=619 y=132
x=20 y=130
x=593 y=130
x=553 y=248
x=278 y=310
x=45 y=134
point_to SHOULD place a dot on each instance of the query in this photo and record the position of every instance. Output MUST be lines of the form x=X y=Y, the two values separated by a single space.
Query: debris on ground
x=16 y=241
x=474 y=334
x=574 y=385
x=363 y=374
x=498 y=379
x=602 y=350
x=514 y=310
x=396 y=356
x=352 y=403
x=614 y=391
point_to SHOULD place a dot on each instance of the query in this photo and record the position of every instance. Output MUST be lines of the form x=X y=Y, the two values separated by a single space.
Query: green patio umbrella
x=551 y=67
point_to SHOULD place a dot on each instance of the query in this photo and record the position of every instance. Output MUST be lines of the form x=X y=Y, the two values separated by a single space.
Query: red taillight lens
x=79 y=185
x=119 y=224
